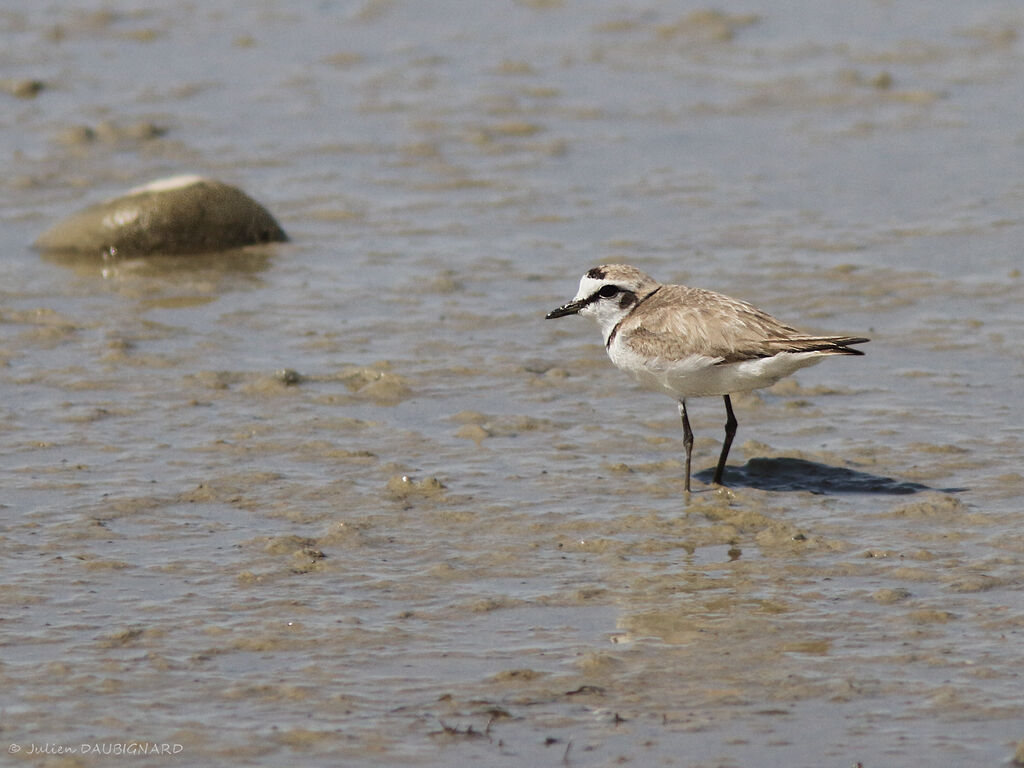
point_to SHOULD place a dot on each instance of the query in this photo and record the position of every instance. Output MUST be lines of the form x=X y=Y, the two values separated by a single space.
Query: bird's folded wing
x=680 y=322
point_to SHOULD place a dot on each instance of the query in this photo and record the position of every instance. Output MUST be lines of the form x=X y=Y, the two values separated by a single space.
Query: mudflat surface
x=352 y=500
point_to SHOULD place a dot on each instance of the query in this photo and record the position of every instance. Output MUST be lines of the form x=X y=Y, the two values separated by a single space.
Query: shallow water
x=351 y=499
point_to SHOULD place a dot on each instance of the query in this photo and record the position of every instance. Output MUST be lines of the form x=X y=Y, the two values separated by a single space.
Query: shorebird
x=691 y=342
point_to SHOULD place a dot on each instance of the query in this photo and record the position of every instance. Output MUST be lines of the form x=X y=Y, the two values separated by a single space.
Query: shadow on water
x=786 y=474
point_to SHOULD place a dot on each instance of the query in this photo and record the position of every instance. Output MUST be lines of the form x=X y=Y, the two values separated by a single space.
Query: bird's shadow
x=788 y=474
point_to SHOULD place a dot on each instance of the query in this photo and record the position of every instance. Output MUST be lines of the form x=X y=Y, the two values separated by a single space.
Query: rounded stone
x=176 y=215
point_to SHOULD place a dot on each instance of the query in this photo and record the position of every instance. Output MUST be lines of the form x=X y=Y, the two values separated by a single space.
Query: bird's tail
x=838 y=345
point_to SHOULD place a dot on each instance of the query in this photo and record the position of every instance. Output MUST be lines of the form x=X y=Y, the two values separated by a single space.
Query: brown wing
x=679 y=321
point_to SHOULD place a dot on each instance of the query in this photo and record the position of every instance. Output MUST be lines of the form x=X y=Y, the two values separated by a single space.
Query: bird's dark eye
x=607 y=291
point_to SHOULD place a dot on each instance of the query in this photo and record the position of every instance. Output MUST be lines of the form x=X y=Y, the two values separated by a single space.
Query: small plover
x=690 y=342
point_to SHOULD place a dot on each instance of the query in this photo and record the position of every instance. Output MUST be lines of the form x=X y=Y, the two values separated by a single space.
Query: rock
x=176 y=215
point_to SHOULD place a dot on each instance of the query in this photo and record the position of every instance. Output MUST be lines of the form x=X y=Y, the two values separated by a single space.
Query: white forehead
x=588 y=287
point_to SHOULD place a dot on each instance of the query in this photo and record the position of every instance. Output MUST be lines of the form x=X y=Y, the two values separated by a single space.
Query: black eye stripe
x=610 y=291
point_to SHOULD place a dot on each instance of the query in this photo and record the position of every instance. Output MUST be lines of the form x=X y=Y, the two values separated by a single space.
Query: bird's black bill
x=566 y=309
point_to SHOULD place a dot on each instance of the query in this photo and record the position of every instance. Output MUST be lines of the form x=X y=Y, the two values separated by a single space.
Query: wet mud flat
x=293 y=565
x=348 y=499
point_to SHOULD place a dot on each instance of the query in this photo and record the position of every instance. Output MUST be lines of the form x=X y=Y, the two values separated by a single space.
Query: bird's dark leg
x=730 y=432
x=687 y=440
